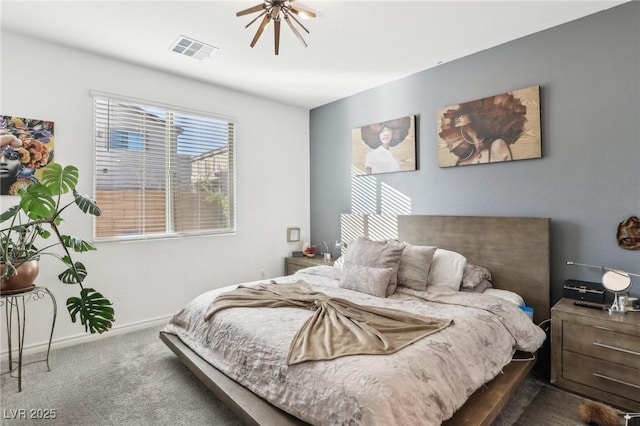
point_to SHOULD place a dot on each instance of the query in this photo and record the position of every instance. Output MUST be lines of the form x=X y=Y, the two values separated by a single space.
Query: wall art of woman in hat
x=380 y=137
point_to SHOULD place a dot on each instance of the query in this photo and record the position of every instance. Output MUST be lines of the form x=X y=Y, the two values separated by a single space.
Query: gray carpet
x=134 y=379
x=128 y=379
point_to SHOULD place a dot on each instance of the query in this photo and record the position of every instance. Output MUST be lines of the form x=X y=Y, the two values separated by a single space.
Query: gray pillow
x=480 y=288
x=414 y=266
x=393 y=281
x=366 y=279
x=473 y=275
x=374 y=254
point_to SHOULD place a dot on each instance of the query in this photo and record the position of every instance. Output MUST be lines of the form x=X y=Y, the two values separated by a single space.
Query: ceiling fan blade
x=302 y=12
x=256 y=8
x=295 y=31
x=298 y=22
x=276 y=31
x=255 y=19
x=263 y=25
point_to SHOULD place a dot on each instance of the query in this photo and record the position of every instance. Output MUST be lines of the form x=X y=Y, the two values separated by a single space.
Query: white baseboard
x=85 y=337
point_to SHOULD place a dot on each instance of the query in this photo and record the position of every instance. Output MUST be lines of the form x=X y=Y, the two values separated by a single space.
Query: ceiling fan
x=276 y=11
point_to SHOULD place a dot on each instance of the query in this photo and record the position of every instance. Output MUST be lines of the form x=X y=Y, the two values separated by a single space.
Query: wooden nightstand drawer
x=602 y=342
x=596 y=354
x=292 y=268
x=294 y=264
x=612 y=378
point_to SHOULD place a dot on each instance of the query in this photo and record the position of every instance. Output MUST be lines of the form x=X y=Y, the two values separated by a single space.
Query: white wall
x=149 y=280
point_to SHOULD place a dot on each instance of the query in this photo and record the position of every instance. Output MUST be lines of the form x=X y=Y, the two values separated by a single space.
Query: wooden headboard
x=514 y=249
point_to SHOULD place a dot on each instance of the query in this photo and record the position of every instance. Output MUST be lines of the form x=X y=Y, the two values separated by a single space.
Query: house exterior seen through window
x=162 y=172
x=131 y=141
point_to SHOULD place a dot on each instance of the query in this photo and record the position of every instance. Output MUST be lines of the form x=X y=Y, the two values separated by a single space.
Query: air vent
x=193 y=48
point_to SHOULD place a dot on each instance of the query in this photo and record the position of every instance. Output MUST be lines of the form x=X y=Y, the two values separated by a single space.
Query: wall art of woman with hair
x=23 y=151
x=483 y=131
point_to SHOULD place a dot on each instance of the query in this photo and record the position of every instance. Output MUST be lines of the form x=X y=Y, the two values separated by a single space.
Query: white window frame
x=170 y=232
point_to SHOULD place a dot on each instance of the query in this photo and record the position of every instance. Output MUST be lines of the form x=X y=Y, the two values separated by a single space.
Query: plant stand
x=15 y=305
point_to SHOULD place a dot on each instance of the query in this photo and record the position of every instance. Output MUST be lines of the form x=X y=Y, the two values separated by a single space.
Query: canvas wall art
x=503 y=127
x=27 y=147
x=384 y=147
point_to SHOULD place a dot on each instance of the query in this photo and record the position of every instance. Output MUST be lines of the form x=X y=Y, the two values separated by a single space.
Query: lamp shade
x=616 y=281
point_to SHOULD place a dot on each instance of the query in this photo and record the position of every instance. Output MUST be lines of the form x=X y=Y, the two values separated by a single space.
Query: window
x=161 y=171
x=119 y=139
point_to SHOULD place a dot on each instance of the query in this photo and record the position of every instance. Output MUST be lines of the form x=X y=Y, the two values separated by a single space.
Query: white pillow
x=507 y=295
x=446 y=269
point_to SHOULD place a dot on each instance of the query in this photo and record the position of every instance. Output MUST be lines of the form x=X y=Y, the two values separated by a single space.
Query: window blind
x=161 y=171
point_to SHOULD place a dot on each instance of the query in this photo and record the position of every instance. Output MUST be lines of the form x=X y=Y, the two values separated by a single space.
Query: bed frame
x=515 y=250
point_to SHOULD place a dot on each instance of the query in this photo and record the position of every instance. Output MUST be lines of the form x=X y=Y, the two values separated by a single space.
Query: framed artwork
x=502 y=127
x=27 y=147
x=385 y=147
x=293 y=234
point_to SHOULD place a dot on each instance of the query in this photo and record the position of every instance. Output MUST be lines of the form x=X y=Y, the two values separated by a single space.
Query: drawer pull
x=602 y=376
x=615 y=348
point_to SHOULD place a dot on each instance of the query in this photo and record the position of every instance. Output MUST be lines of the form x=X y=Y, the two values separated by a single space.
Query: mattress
x=424 y=383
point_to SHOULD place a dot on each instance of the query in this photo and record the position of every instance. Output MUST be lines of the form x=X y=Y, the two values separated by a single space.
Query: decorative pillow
x=473 y=275
x=446 y=269
x=366 y=279
x=414 y=266
x=393 y=281
x=480 y=288
x=375 y=254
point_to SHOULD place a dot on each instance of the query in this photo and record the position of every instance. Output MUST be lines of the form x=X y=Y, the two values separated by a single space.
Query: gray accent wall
x=587 y=181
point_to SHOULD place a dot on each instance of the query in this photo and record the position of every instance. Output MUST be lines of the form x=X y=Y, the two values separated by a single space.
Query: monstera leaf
x=77 y=244
x=93 y=310
x=69 y=275
x=37 y=201
x=9 y=213
x=59 y=180
x=86 y=204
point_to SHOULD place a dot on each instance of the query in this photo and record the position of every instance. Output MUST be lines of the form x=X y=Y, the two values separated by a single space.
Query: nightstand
x=294 y=264
x=596 y=354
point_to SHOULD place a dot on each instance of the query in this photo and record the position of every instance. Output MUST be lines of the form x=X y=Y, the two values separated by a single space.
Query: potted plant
x=30 y=230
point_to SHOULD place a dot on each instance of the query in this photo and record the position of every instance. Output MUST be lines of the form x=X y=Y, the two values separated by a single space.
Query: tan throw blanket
x=338 y=327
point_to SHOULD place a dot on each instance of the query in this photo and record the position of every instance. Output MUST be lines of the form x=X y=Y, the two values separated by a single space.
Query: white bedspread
x=422 y=384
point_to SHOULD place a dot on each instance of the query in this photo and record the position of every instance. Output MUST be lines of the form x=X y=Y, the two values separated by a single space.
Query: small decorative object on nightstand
x=294 y=264
x=596 y=354
x=308 y=249
x=326 y=254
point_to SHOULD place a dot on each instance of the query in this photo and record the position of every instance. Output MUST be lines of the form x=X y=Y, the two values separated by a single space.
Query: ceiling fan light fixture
x=277 y=10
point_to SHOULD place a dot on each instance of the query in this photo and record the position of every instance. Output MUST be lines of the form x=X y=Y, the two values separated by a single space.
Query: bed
x=255 y=382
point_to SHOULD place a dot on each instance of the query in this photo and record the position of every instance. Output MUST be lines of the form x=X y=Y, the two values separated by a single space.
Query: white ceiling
x=353 y=45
